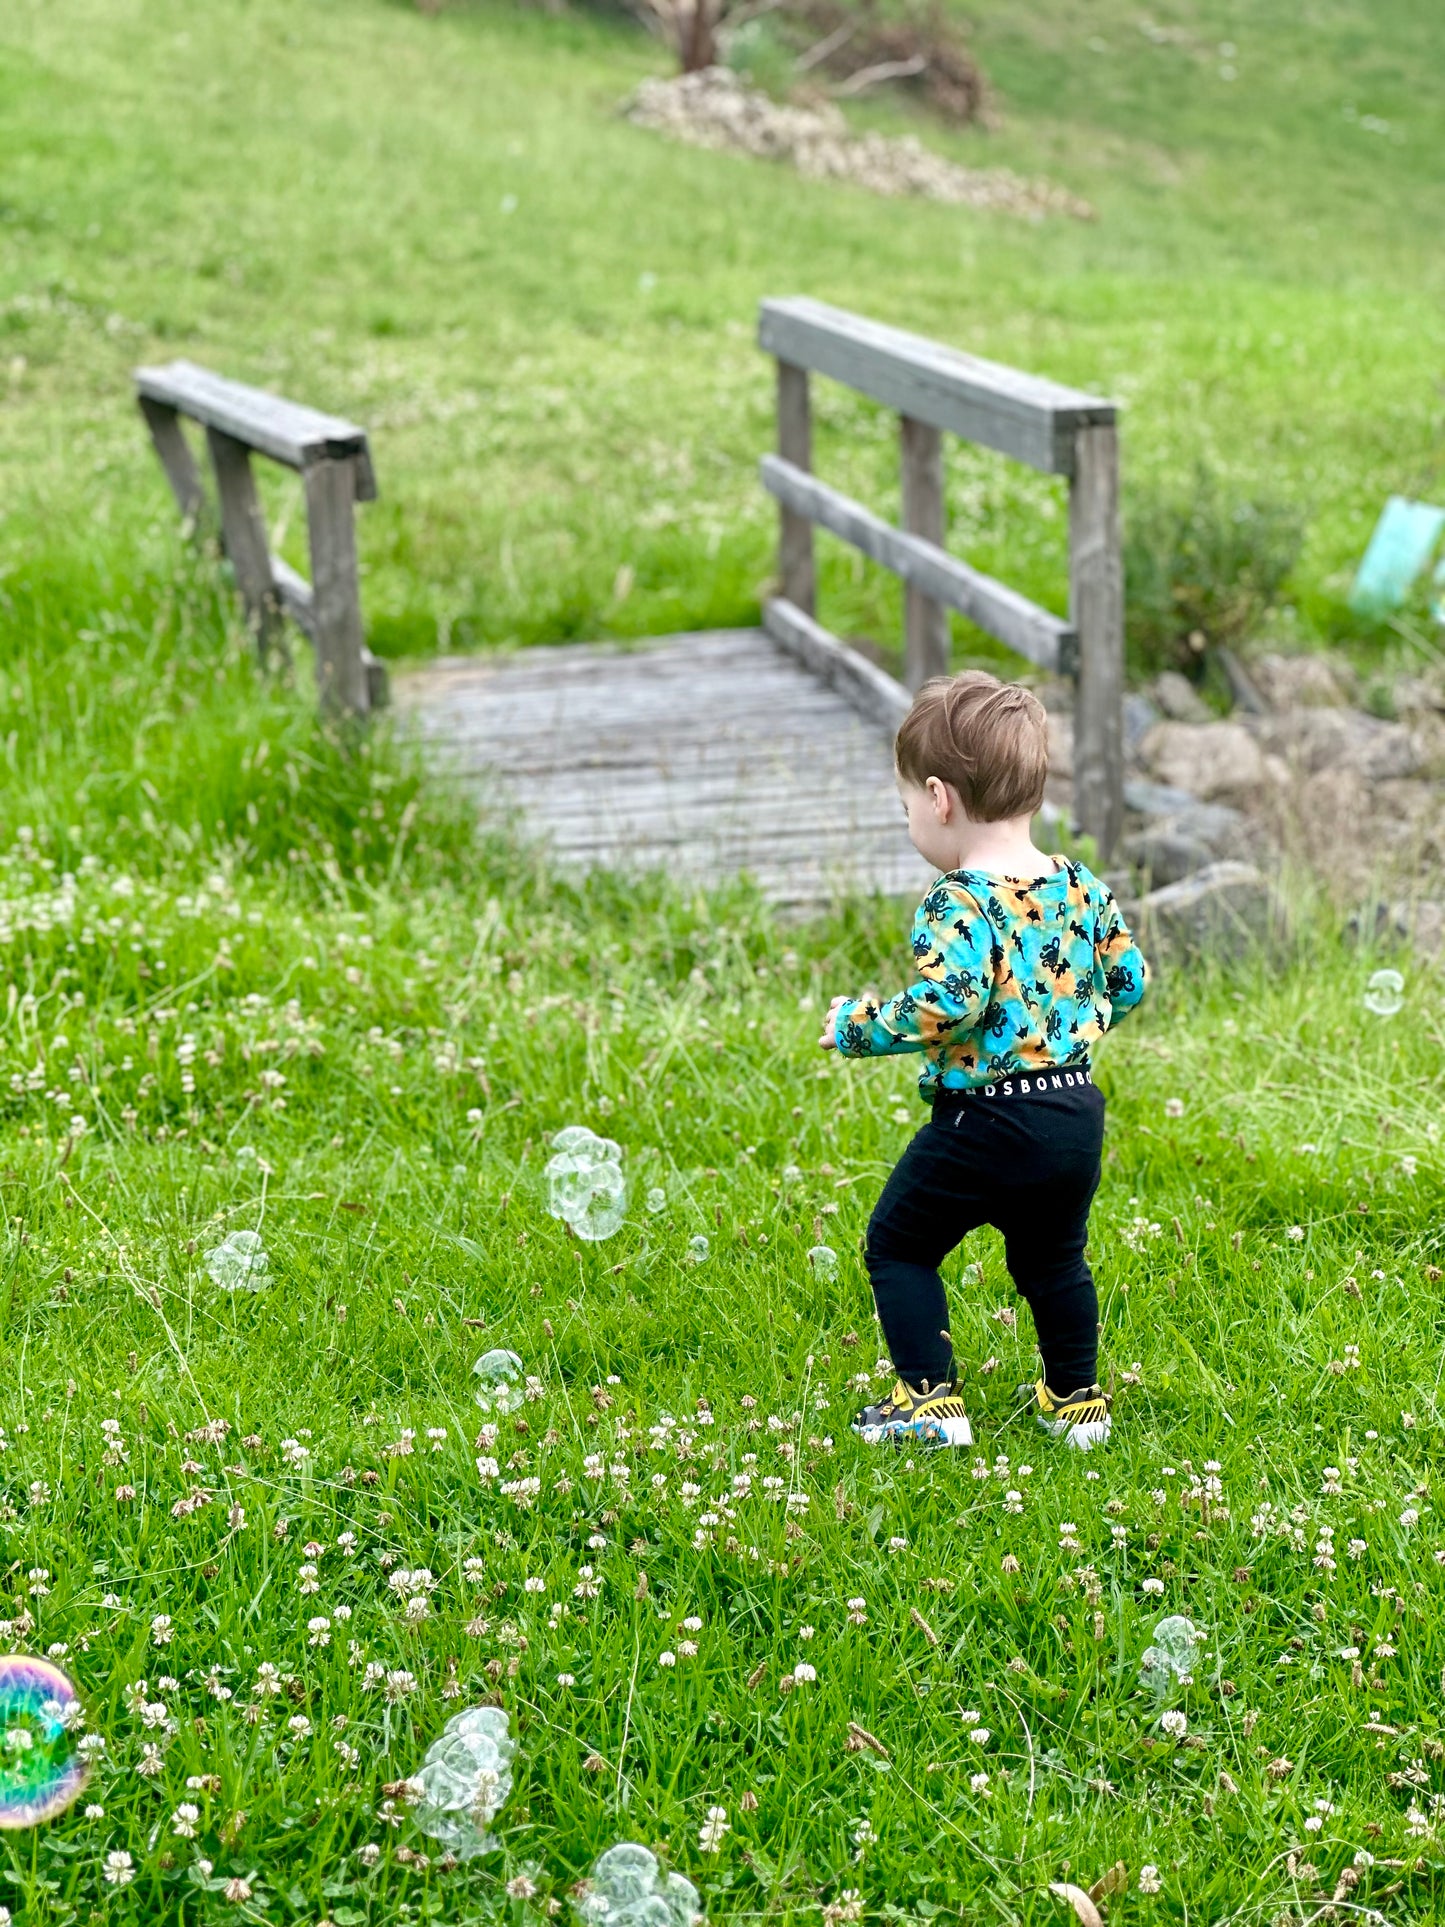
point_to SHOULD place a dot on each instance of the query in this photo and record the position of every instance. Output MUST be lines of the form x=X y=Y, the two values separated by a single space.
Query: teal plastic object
x=1403 y=542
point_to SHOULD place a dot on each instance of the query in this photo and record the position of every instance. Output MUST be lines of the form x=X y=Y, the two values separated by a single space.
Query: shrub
x=1202 y=570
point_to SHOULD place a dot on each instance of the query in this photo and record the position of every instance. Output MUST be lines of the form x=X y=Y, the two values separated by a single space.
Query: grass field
x=545 y=315
x=261 y=977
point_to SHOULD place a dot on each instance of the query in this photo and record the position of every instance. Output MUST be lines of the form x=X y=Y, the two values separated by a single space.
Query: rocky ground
x=716 y=108
x=1300 y=779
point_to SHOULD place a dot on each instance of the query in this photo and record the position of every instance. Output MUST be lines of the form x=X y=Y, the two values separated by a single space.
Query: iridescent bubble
x=1173 y=1655
x=465 y=1780
x=239 y=1262
x=41 y=1767
x=656 y=1199
x=824 y=1260
x=627 y=1888
x=698 y=1249
x=501 y=1373
x=1385 y=993
x=585 y=1185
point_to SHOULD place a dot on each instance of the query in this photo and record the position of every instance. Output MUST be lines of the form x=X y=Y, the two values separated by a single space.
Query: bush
x=1203 y=570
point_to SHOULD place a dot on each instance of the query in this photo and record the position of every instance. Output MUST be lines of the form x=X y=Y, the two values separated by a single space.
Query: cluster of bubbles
x=41 y=1767
x=656 y=1199
x=1385 y=993
x=239 y=1262
x=465 y=1780
x=824 y=1260
x=1172 y=1657
x=628 y=1889
x=585 y=1185
x=698 y=1250
x=501 y=1373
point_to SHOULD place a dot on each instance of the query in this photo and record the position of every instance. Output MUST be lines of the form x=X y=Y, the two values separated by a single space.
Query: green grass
x=360 y=1050
x=287 y=988
x=545 y=316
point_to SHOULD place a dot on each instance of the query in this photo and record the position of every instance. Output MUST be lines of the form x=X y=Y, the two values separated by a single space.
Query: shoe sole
x=932 y=1431
x=1083 y=1438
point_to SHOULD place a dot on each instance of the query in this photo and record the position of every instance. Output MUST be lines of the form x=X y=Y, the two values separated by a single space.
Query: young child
x=1023 y=962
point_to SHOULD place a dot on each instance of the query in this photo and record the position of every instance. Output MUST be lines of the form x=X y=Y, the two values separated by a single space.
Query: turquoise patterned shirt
x=1015 y=975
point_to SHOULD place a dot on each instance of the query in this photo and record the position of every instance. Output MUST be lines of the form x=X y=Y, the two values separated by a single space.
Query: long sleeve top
x=1013 y=975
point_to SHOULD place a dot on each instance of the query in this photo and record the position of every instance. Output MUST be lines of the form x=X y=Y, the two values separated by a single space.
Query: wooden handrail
x=936 y=390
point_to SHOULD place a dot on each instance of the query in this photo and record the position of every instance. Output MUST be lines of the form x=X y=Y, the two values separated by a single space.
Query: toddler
x=1022 y=963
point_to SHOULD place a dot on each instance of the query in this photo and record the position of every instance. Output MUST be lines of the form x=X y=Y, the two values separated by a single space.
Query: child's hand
x=829 y=1039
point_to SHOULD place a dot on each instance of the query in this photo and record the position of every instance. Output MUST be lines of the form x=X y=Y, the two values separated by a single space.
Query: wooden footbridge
x=761 y=750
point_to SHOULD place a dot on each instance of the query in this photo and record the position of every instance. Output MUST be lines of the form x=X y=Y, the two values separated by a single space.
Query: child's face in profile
x=934 y=813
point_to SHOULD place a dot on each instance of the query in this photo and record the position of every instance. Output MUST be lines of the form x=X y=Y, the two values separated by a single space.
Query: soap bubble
x=465 y=1780
x=656 y=1199
x=41 y=1769
x=824 y=1260
x=585 y=1185
x=501 y=1374
x=1385 y=993
x=239 y=1262
x=1172 y=1657
x=628 y=1889
x=698 y=1249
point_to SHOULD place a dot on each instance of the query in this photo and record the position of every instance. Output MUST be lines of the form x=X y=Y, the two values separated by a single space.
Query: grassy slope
x=545 y=315
x=438 y=1008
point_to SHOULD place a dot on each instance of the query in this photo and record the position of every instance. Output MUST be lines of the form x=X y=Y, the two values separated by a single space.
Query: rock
x=1165 y=853
x=1225 y=910
x=1179 y=699
x=1210 y=760
x=1140 y=716
x=1061 y=744
x=1301 y=682
x=1155 y=799
x=1308 y=740
x=1419 y=924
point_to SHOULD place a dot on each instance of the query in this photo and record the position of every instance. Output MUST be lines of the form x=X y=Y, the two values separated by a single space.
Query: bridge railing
x=938 y=390
x=334 y=461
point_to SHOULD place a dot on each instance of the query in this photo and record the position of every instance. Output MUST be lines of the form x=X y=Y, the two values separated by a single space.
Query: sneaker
x=936 y=1417
x=1081 y=1420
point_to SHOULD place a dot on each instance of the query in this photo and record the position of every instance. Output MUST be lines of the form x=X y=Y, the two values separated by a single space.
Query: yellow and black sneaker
x=934 y=1417
x=1081 y=1420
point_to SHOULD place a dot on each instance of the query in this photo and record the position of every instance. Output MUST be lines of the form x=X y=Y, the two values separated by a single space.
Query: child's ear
x=939 y=796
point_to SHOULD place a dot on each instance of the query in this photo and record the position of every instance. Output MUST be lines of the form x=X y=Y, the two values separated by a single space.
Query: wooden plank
x=1019 y=624
x=176 y=458
x=867 y=688
x=243 y=532
x=1096 y=601
x=287 y=431
x=795 y=532
x=335 y=593
x=925 y=620
x=295 y=594
x=1026 y=416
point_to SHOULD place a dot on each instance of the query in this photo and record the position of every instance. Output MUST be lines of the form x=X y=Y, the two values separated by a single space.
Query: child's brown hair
x=987 y=739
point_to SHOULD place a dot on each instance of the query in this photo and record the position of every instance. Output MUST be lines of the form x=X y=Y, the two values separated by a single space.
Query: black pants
x=1024 y=1160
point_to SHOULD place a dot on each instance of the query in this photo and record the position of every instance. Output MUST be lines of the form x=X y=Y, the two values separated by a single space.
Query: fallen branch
x=873 y=76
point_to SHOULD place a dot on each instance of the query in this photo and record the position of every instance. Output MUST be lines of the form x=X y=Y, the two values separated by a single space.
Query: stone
x=1419 y=924
x=1164 y=853
x=1225 y=910
x=1155 y=799
x=1309 y=740
x=1180 y=701
x=1210 y=760
x=1301 y=682
x=1140 y=716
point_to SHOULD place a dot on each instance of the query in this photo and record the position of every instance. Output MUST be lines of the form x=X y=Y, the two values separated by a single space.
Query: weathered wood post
x=796 y=570
x=341 y=674
x=925 y=633
x=243 y=532
x=1096 y=606
x=176 y=458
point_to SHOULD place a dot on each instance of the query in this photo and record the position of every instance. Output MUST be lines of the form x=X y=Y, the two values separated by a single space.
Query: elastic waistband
x=1042 y=1083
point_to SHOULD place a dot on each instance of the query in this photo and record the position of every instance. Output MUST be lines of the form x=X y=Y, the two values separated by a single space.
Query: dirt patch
x=716 y=109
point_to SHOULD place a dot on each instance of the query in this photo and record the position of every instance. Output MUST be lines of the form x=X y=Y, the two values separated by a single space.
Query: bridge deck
x=703 y=754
